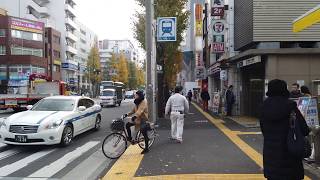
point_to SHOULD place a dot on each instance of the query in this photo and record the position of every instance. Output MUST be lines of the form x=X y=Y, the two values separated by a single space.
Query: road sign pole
x=149 y=43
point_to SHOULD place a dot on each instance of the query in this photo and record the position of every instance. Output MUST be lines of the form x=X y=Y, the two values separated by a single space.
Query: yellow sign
x=310 y=18
x=57 y=62
x=198 y=28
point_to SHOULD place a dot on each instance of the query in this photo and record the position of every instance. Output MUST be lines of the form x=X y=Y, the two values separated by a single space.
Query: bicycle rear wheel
x=140 y=138
x=114 y=145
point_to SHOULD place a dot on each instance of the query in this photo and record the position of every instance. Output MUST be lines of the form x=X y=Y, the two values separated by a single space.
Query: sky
x=109 y=19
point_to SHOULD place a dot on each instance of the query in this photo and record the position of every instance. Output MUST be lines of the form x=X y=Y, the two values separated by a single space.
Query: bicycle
x=116 y=143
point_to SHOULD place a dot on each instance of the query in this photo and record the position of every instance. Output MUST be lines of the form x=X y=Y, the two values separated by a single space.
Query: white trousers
x=177 y=122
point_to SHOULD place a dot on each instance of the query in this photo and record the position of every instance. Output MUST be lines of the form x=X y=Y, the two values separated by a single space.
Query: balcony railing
x=72 y=50
x=71 y=23
x=71 y=36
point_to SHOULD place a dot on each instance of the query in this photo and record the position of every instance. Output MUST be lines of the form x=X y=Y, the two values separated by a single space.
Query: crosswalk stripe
x=58 y=165
x=11 y=168
x=94 y=165
x=8 y=153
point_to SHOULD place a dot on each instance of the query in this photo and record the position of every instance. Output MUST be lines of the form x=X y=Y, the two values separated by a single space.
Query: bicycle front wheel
x=140 y=138
x=114 y=145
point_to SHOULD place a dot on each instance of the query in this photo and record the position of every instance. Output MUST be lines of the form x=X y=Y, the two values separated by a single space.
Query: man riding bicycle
x=140 y=119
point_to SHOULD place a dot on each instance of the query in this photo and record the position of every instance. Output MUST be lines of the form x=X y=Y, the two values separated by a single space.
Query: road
x=83 y=159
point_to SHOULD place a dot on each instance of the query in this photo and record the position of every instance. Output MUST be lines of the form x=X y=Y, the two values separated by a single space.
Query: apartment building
x=87 y=39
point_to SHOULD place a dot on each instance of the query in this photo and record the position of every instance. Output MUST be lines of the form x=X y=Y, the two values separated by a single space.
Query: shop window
x=56 y=39
x=26 y=51
x=2 y=50
x=26 y=35
x=56 y=68
x=2 y=33
x=3 y=72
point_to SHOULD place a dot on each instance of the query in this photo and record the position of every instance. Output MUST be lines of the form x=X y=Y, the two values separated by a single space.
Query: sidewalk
x=212 y=149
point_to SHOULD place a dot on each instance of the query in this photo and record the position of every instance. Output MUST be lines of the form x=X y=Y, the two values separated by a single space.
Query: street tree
x=123 y=69
x=168 y=53
x=94 y=69
x=113 y=68
x=132 y=84
x=140 y=77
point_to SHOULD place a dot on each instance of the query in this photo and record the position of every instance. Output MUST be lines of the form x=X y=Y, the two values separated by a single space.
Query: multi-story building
x=53 y=53
x=121 y=46
x=268 y=49
x=105 y=56
x=59 y=15
x=87 y=39
x=22 y=52
x=63 y=18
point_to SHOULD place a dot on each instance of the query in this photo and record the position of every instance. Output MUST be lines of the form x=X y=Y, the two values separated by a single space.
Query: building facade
x=53 y=53
x=121 y=46
x=87 y=39
x=22 y=52
x=266 y=48
x=59 y=15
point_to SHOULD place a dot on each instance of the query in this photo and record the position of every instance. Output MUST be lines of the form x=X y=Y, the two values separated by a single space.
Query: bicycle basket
x=117 y=125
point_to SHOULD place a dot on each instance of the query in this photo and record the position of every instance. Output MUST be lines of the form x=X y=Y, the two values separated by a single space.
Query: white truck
x=35 y=92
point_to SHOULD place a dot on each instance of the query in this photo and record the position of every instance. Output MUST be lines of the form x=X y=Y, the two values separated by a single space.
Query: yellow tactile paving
x=126 y=166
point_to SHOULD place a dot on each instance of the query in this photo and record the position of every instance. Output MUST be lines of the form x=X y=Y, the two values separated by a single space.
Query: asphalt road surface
x=83 y=159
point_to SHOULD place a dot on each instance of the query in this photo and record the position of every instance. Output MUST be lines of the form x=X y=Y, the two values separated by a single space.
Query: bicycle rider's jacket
x=141 y=112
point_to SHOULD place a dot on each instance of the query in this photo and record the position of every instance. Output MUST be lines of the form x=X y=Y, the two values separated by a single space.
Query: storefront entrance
x=253 y=78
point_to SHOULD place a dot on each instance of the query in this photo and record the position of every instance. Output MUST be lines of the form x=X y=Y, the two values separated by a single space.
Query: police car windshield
x=54 y=105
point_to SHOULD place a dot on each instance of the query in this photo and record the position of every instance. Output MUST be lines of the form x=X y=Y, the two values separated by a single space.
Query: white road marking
x=11 y=168
x=8 y=153
x=2 y=145
x=58 y=165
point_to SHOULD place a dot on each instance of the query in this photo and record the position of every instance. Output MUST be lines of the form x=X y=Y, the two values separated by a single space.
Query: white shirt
x=177 y=102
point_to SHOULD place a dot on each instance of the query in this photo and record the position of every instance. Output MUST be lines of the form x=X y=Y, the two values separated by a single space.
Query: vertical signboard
x=199 y=17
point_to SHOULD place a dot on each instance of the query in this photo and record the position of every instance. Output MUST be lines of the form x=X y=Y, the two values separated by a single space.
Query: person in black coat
x=205 y=97
x=275 y=114
x=230 y=100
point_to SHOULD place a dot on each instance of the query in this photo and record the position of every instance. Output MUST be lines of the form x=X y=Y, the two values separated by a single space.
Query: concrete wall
x=293 y=67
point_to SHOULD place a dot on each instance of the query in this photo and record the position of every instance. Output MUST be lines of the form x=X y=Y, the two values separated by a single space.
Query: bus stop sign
x=167 y=29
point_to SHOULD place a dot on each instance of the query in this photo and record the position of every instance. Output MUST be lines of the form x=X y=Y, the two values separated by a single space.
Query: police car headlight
x=54 y=125
x=3 y=123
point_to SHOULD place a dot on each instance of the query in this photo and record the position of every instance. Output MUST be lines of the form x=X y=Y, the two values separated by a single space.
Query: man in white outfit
x=176 y=107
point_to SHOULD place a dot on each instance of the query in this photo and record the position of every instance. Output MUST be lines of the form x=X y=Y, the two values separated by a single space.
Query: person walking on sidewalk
x=230 y=99
x=177 y=105
x=274 y=121
x=205 y=97
x=140 y=119
x=189 y=95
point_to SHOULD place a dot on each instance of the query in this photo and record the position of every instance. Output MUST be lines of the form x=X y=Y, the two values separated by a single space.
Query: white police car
x=53 y=120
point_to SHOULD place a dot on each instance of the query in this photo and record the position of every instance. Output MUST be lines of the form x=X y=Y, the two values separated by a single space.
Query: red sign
x=217 y=11
x=198 y=60
x=199 y=12
x=217 y=47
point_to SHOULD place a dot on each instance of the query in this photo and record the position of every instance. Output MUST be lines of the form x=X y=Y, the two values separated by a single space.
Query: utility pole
x=149 y=43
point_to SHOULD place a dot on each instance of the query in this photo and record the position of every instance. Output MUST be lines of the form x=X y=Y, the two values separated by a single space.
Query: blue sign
x=69 y=66
x=167 y=29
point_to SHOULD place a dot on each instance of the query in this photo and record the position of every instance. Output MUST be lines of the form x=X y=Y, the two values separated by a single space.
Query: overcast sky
x=110 y=19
